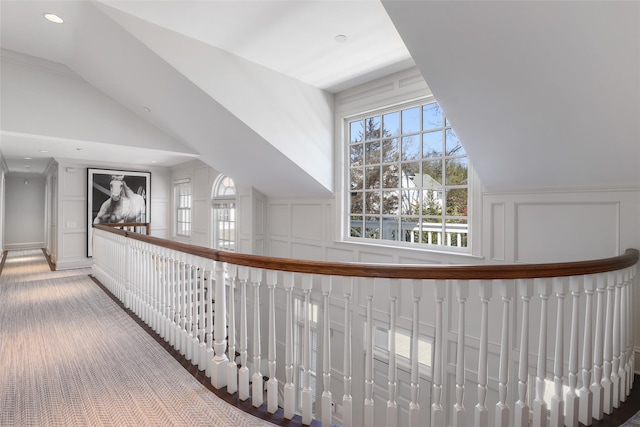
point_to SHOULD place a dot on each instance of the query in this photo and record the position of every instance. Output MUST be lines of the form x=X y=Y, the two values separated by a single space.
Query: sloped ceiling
x=541 y=94
x=245 y=85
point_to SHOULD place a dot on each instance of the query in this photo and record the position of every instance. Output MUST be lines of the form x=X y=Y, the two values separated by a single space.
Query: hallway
x=71 y=357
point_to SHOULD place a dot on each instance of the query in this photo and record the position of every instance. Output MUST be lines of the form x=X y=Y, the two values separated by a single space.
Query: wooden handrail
x=455 y=272
x=116 y=225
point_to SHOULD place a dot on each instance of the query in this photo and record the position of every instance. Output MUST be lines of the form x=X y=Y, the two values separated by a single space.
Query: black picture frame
x=131 y=208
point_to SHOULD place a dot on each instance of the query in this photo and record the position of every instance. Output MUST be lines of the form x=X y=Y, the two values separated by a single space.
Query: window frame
x=224 y=200
x=183 y=213
x=473 y=192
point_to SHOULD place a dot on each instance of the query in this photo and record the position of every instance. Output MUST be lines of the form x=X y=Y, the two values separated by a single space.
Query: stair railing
x=521 y=351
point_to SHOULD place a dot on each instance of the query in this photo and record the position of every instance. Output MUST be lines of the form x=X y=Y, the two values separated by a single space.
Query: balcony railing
x=498 y=334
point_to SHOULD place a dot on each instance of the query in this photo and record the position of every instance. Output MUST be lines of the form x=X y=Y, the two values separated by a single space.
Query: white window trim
x=474 y=192
x=176 y=184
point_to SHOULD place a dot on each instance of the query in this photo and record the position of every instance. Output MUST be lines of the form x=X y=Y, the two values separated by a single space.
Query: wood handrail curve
x=436 y=272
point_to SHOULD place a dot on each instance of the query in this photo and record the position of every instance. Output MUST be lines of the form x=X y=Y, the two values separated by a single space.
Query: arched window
x=223 y=205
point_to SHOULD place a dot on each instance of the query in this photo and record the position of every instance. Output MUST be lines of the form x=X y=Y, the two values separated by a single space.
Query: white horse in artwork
x=123 y=205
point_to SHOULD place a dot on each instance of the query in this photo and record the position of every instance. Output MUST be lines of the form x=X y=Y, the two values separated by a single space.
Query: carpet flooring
x=69 y=356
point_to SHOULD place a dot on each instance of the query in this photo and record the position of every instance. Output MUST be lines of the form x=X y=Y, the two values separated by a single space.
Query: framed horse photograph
x=116 y=196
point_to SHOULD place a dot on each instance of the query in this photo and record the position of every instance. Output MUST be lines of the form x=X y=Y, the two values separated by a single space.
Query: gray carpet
x=69 y=356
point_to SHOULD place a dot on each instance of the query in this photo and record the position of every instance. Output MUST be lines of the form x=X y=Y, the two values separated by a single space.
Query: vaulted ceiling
x=542 y=94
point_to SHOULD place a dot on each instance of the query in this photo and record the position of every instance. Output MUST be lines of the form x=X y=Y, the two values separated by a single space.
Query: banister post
x=347 y=401
x=327 y=402
x=437 y=411
x=586 y=396
x=556 y=417
x=572 y=400
x=525 y=287
x=502 y=410
x=482 y=413
x=414 y=406
x=462 y=292
x=289 y=387
x=220 y=360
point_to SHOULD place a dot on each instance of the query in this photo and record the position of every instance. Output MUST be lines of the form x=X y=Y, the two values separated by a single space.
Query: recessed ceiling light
x=154 y=161
x=43 y=151
x=52 y=17
x=341 y=38
x=28 y=158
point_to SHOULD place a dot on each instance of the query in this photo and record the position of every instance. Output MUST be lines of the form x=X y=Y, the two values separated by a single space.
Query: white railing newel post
x=220 y=360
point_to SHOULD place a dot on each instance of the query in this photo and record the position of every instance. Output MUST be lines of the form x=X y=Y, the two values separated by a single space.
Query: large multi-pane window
x=182 y=192
x=408 y=178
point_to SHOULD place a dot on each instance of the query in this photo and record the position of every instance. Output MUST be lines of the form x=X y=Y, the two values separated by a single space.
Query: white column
x=502 y=410
x=482 y=414
x=573 y=403
x=392 y=406
x=220 y=360
x=369 y=417
x=232 y=366
x=607 y=383
x=347 y=401
x=615 y=364
x=556 y=416
x=598 y=358
x=305 y=397
x=586 y=396
x=462 y=292
x=414 y=406
x=243 y=373
x=326 y=354
x=272 y=384
x=525 y=287
x=289 y=386
x=437 y=411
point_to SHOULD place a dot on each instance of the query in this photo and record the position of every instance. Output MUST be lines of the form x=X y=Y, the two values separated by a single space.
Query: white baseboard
x=23 y=246
x=70 y=265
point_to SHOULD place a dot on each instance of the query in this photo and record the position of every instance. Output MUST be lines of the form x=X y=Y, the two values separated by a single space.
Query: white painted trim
x=23 y=246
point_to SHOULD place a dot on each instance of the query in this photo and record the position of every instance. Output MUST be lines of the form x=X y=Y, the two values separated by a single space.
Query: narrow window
x=224 y=214
x=182 y=193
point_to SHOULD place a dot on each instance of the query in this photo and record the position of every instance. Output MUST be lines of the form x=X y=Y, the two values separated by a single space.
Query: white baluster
x=209 y=336
x=188 y=289
x=586 y=396
x=257 y=390
x=598 y=362
x=615 y=364
x=272 y=384
x=392 y=406
x=171 y=279
x=607 y=383
x=462 y=292
x=127 y=274
x=525 y=287
x=414 y=406
x=202 y=350
x=289 y=387
x=622 y=373
x=195 y=318
x=232 y=366
x=628 y=338
x=502 y=410
x=369 y=417
x=327 y=398
x=556 y=417
x=437 y=411
x=180 y=306
x=243 y=373
x=305 y=397
x=572 y=400
x=481 y=413
x=347 y=402
x=220 y=360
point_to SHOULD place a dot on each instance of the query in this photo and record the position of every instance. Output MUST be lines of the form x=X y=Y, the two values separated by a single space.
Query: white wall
x=24 y=212
x=71 y=244
x=533 y=226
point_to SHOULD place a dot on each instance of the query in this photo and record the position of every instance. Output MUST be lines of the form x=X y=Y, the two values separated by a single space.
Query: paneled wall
x=69 y=250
